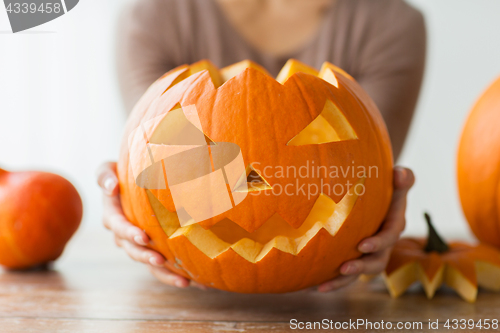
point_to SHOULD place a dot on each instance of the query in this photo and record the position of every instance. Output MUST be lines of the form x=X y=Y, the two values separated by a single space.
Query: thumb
x=403 y=179
x=107 y=178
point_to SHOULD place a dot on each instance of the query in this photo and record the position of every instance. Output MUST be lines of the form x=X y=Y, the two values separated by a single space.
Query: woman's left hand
x=377 y=248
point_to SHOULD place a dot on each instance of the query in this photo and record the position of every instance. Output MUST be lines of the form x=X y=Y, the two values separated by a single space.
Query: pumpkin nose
x=253 y=182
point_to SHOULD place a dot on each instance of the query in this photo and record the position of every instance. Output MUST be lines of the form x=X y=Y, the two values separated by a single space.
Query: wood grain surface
x=95 y=287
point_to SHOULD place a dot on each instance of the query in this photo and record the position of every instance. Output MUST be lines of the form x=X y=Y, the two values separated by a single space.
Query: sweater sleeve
x=391 y=64
x=145 y=37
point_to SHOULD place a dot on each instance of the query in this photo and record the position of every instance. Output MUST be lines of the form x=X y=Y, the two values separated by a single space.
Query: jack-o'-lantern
x=290 y=173
x=478 y=167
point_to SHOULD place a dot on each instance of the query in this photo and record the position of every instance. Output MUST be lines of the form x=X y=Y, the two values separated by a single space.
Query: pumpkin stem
x=434 y=242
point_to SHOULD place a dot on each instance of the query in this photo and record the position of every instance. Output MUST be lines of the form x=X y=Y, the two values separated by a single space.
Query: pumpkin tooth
x=329 y=67
x=231 y=71
x=342 y=210
x=456 y=280
x=205 y=240
x=210 y=67
x=329 y=76
x=248 y=249
x=293 y=66
x=401 y=279
x=328 y=72
x=281 y=243
x=488 y=275
x=302 y=241
x=433 y=284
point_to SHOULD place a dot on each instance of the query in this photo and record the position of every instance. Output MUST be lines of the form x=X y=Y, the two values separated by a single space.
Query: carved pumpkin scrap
x=461 y=266
x=269 y=227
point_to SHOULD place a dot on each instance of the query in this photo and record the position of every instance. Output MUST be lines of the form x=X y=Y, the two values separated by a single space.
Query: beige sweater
x=381 y=43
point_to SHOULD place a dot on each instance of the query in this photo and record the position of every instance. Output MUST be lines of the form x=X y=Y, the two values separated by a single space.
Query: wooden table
x=95 y=287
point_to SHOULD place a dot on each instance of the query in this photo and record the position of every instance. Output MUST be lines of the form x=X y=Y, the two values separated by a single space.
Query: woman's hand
x=132 y=239
x=378 y=248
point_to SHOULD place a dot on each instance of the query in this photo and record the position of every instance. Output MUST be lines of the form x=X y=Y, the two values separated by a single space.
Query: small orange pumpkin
x=269 y=241
x=461 y=266
x=478 y=167
x=39 y=212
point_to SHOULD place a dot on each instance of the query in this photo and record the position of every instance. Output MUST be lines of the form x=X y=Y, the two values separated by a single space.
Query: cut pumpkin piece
x=329 y=76
x=293 y=66
x=331 y=67
x=199 y=67
x=229 y=72
x=212 y=69
x=461 y=266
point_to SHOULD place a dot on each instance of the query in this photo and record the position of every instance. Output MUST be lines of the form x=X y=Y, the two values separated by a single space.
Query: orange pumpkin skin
x=478 y=167
x=261 y=115
x=39 y=213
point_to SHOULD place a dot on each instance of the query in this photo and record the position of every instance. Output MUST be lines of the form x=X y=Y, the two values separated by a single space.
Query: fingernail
x=348 y=270
x=179 y=284
x=138 y=239
x=155 y=262
x=109 y=185
x=324 y=289
x=402 y=171
x=367 y=248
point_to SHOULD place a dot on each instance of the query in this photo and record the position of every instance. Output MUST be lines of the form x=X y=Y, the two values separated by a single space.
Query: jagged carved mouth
x=274 y=233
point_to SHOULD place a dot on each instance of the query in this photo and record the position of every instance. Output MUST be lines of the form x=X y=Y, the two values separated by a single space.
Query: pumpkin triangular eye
x=253 y=180
x=330 y=126
x=176 y=129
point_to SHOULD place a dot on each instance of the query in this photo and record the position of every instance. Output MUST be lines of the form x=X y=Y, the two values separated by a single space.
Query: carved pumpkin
x=275 y=237
x=461 y=266
x=478 y=167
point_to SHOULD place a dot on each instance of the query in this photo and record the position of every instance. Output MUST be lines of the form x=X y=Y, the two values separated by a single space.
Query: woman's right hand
x=129 y=237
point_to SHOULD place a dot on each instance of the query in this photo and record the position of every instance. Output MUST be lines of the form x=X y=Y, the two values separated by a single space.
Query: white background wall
x=463 y=59
x=60 y=108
